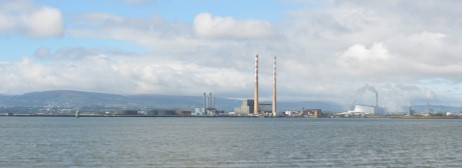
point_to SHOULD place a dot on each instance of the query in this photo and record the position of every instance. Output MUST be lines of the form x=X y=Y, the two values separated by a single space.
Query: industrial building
x=365 y=109
x=198 y=112
x=208 y=108
x=246 y=108
x=313 y=113
x=259 y=109
x=362 y=110
x=265 y=108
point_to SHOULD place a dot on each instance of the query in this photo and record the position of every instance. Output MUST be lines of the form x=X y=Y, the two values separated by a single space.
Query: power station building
x=208 y=108
x=246 y=108
x=365 y=109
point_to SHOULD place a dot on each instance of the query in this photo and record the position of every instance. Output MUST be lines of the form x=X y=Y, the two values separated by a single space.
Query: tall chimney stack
x=210 y=100
x=205 y=102
x=274 y=87
x=255 y=99
x=376 y=103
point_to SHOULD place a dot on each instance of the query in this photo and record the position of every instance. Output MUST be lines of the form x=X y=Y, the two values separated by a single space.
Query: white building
x=364 y=109
x=360 y=110
x=198 y=112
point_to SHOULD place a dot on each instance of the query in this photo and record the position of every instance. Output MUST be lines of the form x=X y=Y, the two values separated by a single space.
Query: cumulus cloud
x=43 y=22
x=6 y=22
x=31 y=20
x=123 y=74
x=354 y=43
x=359 y=52
x=215 y=26
x=325 y=52
x=153 y=33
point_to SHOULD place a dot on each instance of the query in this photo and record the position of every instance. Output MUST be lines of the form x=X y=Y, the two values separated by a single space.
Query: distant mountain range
x=69 y=98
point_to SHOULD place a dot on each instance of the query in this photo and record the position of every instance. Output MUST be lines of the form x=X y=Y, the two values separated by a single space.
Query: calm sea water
x=228 y=142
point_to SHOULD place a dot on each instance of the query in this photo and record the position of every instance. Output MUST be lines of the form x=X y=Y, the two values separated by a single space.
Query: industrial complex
x=249 y=107
x=252 y=107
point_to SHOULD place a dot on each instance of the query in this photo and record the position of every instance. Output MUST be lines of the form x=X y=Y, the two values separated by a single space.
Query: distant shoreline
x=92 y=115
x=71 y=115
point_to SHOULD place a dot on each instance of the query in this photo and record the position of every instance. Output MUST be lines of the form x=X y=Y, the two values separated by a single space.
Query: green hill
x=77 y=99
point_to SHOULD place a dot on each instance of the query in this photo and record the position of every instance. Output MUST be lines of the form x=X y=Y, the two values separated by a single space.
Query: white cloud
x=117 y=73
x=76 y=53
x=324 y=53
x=215 y=26
x=427 y=38
x=6 y=22
x=360 y=53
x=44 y=22
x=31 y=20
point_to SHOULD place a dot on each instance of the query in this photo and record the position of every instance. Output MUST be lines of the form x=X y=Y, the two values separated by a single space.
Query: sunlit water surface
x=228 y=142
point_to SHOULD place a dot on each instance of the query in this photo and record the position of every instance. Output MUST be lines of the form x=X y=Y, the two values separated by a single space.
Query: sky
x=409 y=51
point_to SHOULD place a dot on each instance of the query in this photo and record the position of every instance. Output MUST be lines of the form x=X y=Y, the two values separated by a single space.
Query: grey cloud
x=324 y=53
x=78 y=53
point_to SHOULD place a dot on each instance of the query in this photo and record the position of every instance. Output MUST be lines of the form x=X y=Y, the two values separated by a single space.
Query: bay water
x=228 y=142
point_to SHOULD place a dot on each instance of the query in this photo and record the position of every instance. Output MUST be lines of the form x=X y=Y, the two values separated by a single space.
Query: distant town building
x=161 y=112
x=127 y=112
x=313 y=113
x=168 y=112
x=183 y=113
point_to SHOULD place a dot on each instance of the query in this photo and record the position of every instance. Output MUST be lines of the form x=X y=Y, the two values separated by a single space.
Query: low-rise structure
x=246 y=108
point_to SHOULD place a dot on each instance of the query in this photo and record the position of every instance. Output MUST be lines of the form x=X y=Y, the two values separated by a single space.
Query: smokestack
x=274 y=87
x=376 y=102
x=255 y=99
x=213 y=102
x=210 y=100
x=205 y=101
